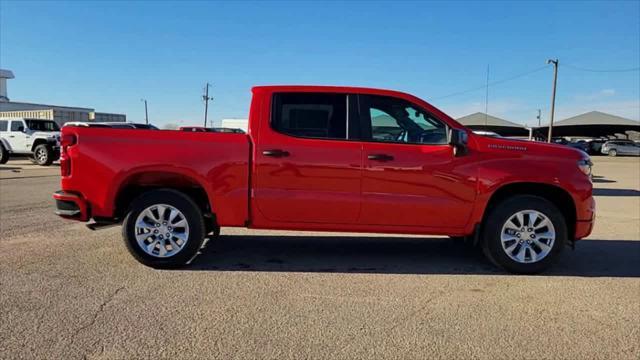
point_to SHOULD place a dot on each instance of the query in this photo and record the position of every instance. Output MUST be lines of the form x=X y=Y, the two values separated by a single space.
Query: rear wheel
x=613 y=152
x=524 y=234
x=4 y=155
x=43 y=155
x=163 y=229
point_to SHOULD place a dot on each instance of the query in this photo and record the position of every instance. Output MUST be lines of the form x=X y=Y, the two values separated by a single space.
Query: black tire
x=501 y=213
x=4 y=155
x=613 y=152
x=43 y=155
x=192 y=214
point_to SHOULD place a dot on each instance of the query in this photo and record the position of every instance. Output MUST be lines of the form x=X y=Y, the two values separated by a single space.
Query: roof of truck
x=353 y=90
x=329 y=88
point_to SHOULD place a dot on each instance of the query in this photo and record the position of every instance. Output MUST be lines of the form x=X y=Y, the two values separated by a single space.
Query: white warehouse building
x=60 y=114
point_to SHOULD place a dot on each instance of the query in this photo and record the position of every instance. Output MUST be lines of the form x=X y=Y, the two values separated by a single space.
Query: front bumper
x=584 y=227
x=71 y=206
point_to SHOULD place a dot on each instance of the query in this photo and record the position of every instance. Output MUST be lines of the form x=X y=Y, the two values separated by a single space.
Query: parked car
x=621 y=147
x=580 y=145
x=313 y=161
x=595 y=146
x=113 y=125
x=207 y=129
x=34 y=138
x=486 y=133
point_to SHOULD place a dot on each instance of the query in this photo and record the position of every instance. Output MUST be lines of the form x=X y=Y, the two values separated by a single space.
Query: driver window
x=396 y=120
x=16 y=126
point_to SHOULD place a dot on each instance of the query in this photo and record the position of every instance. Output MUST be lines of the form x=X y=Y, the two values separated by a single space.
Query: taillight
x=65 y=162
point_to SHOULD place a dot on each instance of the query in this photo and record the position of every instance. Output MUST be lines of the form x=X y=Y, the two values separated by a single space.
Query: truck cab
x=36 y=138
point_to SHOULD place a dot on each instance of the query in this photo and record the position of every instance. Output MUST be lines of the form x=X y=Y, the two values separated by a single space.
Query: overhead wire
x=493 y=83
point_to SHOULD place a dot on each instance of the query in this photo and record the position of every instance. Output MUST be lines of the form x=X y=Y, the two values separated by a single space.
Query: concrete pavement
x=68 y=292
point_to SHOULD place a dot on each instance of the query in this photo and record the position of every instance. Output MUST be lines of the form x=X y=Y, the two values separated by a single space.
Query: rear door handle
x=275 y=153
x=380 y=157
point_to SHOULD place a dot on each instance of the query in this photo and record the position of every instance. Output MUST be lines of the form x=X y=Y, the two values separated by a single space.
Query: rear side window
x=313 y=115
x=3 y=125
x=15 y=125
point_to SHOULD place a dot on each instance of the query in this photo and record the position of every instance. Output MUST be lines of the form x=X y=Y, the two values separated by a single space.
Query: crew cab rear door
x=307 y=167
x=410 y=174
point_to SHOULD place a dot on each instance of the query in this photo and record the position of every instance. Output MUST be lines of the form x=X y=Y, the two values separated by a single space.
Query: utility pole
x=486 y=100
x=539 y=117
x=553 y=96
x=146 y=113
x=206 y=99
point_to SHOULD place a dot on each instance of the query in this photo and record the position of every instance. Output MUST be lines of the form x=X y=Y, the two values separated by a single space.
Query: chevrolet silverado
x=323 y=158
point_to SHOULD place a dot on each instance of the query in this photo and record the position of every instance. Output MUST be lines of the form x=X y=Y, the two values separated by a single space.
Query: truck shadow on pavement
x=601 y=179
x=397 y=255
x=616 y=192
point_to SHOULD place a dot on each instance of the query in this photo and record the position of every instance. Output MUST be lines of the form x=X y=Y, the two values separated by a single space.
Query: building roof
x=20 y=106
x=482 y=119
x=595 y=118
x=6 y=74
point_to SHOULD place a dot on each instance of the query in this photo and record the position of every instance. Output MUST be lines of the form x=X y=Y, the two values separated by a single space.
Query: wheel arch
x=38 y=142
x=558 y=196
x=5 y=144
x=141 y=182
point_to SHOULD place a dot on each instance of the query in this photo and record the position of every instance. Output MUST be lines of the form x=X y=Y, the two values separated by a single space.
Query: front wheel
x=524 y=234
x=613 y=152
x=163 y=229
x=43 y=155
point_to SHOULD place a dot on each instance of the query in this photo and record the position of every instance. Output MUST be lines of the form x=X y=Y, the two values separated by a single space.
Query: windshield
x=42 y=125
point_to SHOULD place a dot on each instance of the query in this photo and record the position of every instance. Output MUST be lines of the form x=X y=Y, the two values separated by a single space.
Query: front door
x=308 y=168
x=410 y=174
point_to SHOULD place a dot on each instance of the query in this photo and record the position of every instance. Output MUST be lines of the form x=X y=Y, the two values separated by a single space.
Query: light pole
x=146 y=113
x=553 y=96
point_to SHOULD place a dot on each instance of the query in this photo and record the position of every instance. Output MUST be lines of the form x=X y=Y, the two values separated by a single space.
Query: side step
x=101 y=224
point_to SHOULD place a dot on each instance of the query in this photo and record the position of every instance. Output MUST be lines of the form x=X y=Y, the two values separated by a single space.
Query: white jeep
x=38 y=139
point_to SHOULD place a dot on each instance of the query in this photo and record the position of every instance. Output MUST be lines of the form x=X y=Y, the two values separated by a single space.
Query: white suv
x=39 y=139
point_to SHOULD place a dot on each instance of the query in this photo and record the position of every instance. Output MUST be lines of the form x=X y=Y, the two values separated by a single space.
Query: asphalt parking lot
x=68 y=292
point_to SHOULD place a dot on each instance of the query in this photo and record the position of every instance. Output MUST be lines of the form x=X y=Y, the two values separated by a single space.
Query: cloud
x=608 y=92
x=604 y=93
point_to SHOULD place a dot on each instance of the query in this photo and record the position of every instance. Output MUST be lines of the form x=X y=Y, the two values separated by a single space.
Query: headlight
x=585 y=166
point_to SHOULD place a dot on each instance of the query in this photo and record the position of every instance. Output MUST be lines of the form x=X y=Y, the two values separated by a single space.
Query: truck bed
x=110 y=159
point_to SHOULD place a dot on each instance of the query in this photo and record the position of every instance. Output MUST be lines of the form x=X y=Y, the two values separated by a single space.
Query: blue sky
x=109 y=55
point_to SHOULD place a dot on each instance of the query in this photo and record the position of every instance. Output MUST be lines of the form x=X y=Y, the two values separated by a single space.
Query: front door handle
x=380 y=157
x=11 y=136
x=275 y=153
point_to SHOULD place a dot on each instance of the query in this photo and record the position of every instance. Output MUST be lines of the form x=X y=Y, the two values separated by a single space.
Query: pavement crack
x=97 y=313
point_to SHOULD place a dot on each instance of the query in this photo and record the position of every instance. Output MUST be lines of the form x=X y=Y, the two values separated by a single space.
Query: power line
x=601 y=70
x=491 y=83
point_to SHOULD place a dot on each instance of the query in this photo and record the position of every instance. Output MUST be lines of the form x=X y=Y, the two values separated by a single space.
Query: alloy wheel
x=527 y=236
x=161 y=230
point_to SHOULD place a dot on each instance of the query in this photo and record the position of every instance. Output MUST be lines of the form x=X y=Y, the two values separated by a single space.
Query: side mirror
x=459 y=140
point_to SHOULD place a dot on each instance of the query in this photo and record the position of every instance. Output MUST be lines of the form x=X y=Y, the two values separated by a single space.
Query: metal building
x=60 y=114
x=482 y=121
x=593 y=124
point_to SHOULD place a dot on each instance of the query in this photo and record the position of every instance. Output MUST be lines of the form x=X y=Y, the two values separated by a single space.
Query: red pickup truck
x=329 y=159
